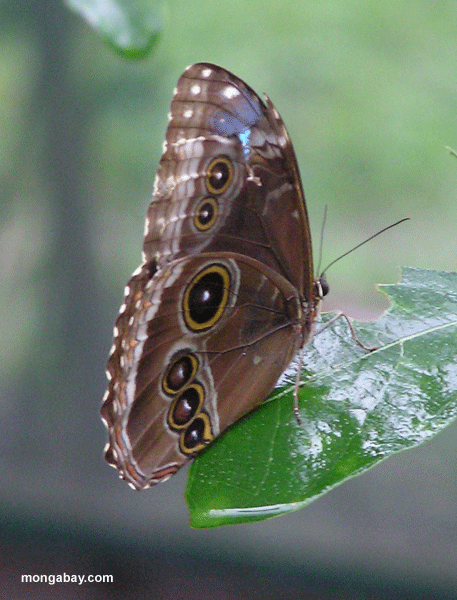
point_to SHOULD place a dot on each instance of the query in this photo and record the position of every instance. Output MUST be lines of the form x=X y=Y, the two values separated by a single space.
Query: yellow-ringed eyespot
x=205 y=298
x=219 y=175
x=206 y=213
x=179 y=373
x=197 y=436
x=185 y=406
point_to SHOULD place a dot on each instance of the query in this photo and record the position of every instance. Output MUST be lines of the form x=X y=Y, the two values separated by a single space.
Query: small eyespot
x=179 y=373
x=219 y=175
x=197 y=435
x=185 y=406
x=206 y=214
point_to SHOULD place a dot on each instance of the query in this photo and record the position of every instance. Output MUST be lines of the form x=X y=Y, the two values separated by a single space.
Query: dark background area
x=368 y=93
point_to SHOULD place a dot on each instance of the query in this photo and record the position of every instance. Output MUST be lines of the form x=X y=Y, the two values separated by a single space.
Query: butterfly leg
x=300 y=356
x=297 y=386
x=351 y=328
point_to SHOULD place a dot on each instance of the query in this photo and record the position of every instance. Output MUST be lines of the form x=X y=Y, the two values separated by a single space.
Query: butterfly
x=225 y=294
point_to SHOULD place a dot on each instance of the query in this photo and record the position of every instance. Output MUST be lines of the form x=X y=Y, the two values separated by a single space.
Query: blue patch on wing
x=225 y=123
x=245 y=139
x=245 y=111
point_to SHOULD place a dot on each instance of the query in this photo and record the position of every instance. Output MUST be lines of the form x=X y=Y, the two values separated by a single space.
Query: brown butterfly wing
x=227 y=198
x=220 y=131
x=190 y=366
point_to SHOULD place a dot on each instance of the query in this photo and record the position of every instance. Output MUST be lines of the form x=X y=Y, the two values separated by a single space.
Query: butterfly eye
x=219 y=175
x=323 y=287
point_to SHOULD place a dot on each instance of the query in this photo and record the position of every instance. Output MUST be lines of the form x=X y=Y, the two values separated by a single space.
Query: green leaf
x=131 y=27
x=357 y=408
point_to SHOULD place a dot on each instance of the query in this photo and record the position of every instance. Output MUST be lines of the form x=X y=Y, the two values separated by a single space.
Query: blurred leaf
x=130 y=27
x=357 y=409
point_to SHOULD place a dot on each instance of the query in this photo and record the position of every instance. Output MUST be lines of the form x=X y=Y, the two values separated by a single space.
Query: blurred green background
x=368 y=92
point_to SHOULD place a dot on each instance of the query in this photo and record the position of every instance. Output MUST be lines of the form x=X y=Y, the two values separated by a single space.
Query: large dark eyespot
x=184 y=408
x=206 y=214
x=197 y=435
x=179 y=373
x=219 y=175
x=206 y=297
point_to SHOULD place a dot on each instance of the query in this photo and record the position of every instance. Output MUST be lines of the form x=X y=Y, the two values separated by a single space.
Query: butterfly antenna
x=321 y=243
x=364 y=242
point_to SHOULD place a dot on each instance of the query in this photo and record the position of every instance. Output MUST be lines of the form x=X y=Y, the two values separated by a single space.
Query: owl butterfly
x=225 y=295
